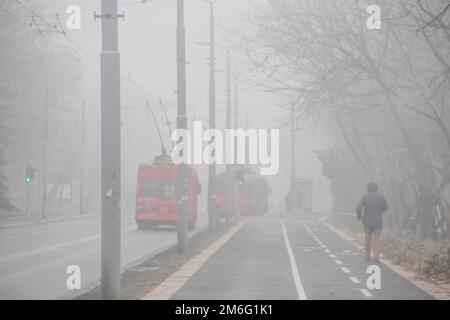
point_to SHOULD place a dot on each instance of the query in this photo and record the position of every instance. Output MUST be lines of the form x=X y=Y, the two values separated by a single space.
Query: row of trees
x=382 y=93
x=31 y=60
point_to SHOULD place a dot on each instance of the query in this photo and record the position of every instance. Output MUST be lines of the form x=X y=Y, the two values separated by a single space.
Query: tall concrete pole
x=82 y=160
x=236 y=124
x=111 y=175
x=182 y=220
x=236 y=103
x=212 y=221
x=293 y=193
x=44 y=157
x=229 y=186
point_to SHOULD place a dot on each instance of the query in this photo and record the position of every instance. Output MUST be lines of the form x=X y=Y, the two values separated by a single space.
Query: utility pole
x=111 y=175
x=228 y=169
x=28 y=202
x=83 y=138
x=236 y=124
x=182 y=221
x=247 y=123
x=236 y=102
x=44 y=157
x=212 y=221
x=293 y=193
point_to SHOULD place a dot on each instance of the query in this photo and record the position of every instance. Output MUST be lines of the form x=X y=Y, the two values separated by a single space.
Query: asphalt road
x=34 y=258
x=291 y=257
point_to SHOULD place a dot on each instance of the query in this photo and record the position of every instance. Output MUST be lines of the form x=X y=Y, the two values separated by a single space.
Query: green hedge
x=430 y=259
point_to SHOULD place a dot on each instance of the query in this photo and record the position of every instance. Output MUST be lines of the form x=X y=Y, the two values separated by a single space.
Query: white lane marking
x=366 y=293
x=345 y=270
x=354 y=280
x=332 y=256
x=327 y=250
x=53 y=247
x=12 y=236
x=298 y=283
x=172 y=284
x=338 y=261
x=324 y=246
x=52 y=264
x=306 y=227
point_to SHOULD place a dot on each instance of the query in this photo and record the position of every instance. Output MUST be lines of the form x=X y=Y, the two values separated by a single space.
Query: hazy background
x=148 y=67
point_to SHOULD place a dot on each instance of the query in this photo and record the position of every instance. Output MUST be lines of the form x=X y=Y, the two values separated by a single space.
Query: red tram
x=252 y=190
x=156 y=202
x=221 y=190
x=254 y=194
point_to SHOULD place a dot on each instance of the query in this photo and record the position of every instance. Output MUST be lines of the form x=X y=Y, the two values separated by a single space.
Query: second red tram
x=251 y=190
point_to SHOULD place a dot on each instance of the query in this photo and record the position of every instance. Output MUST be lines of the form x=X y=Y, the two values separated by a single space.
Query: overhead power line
x=73 y=43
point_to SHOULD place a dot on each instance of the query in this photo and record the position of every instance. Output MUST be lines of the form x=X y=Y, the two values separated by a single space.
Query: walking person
x=370 y=211
x=287 y=201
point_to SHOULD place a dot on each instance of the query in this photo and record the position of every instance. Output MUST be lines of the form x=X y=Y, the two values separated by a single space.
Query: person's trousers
x=373 y=243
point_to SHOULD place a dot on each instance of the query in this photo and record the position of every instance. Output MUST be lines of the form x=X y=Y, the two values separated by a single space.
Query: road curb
x=439 y=292
x=130 y=265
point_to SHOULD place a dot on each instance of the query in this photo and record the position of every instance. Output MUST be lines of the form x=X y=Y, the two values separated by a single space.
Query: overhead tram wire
x=127 y=4
x=65 y=51
x=81 y=49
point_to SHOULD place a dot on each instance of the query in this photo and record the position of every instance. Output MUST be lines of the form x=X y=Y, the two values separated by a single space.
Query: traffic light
x=239 y=177
x=29 y=174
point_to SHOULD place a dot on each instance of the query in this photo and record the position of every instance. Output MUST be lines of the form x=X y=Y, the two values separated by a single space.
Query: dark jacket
x=370 y=208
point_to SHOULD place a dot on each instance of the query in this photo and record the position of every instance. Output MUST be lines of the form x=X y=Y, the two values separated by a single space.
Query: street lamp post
x=236 y=124
x=228 y=169
x=293 y=200
x=212 y=221
x=110 y=155
x=182 y=221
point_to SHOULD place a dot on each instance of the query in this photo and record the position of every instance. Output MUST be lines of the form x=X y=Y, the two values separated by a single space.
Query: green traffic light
x=27 y=180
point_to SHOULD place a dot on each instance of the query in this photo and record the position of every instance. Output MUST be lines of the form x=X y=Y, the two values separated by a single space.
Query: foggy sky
x=148 y=57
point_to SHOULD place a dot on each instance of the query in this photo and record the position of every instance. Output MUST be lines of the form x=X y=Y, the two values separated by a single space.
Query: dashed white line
x=306 y=227
x=324 y=246
x=354 y=280
x=327 y=250
x=345 y=270
x=338 y=261
x=54 y=247
x=366 y=293
x=298 y=283
x=332 y=256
